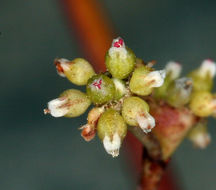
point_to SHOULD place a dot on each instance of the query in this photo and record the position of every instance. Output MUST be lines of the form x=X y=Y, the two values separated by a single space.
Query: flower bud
x=77 y=71
x=199 y=135
x=120 y=60
x=120 y=88
x=135 y=112
x=100 y=89
x=89 y=130
x=71 y=103
x=179 y=92
x=203 y=76
x=144 y=80
x=203 y=103
x=111 y=130
x=173 y=70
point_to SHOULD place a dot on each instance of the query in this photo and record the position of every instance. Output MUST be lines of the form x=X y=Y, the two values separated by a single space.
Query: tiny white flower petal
x=146 y=122
x=202 y=140
x=157 y=77
x=63 y=63
x=184 y=86
x=61 y=74
x=208 y=66
x=174 y=68
x=55 y=108
x=112 y=147
x=121 y=51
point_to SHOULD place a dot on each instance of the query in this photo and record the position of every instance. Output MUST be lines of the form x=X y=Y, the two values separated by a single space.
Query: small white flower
x=184 y=86
x=208 y=67
x=146 y=122
x=56 y=107
x=62 y=66
x=156 y=78
x=118 y=48
x=174 y=69
x=201 y=140
x=112 y=146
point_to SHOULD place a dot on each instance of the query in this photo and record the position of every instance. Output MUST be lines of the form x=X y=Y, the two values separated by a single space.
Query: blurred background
x=39 y=152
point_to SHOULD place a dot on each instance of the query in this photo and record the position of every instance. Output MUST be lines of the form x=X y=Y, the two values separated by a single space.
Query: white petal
x=146 y=122
x=157 y=77
x=208 y=66
x=174 y=68
x=55 y=108
x=120 y=51
x=202 y=140
x=112 y=147
x=184 y=86
x=63 y=63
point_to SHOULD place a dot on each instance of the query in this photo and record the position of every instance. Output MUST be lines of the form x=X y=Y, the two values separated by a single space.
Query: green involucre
x=78 y=102
x=120 y=67
x=100 y=89
x=111 y=122
x=132 y=107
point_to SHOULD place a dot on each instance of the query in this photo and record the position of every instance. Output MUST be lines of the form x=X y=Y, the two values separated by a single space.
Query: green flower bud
x=120 y=88
x=135 y=112
x=203 y=103
x=77 y=71
x=120 y=60
x=100 y=89
x=71 y=103
x=111 y=130
x=179 y=92
x=144 y=80
x=203 y=76
x=199 y=135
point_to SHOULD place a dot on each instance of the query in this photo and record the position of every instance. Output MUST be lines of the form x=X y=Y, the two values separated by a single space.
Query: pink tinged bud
x=146 y=122
x=208 y=67
x=88 y=132
x=156 y=78
x=118 y=47
x=174 y=69
x=201 y=140
x=61 y=66
x=57 y=107
x=113 y=145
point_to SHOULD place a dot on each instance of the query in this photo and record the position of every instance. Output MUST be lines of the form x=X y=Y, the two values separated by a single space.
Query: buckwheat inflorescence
x=121 y=95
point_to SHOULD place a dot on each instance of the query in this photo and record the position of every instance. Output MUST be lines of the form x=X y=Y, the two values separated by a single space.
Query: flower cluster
x=120 y=95
x=116 y=95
